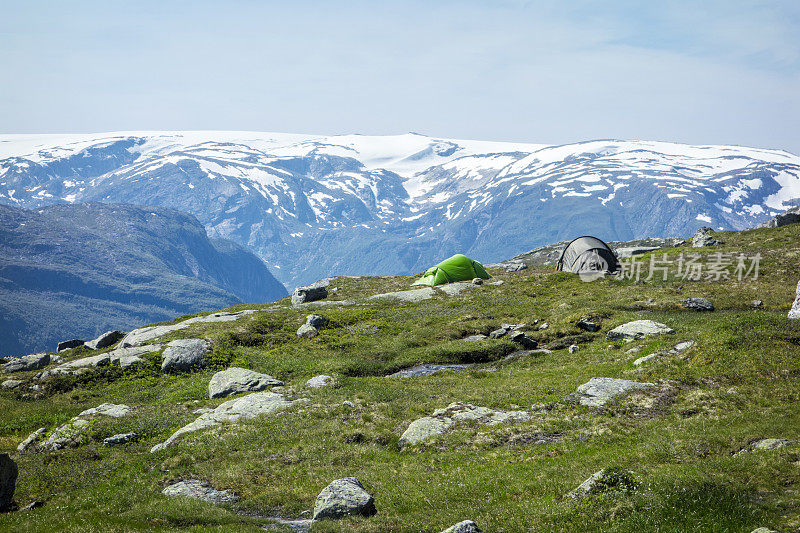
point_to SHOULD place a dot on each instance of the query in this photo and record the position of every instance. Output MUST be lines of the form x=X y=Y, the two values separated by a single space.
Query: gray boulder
x=443 y=419
x=72 y=343
x=199 y=490
x=312 y=326
x=467 y=526
x=638 y=329
x=573 y=348
x=31 y=439
x=34 y=361
x=698 y=304
x=592 y=484
x=587 y=325
x=184 y=354
x=792 y=216
x=770 y=444
x=235 y=380
x=475 y=338
x=120 y=438
x=139 y=336
x=599 y=391
x=243 y=408
x=105 y=340
x=520 y=338
x=11 y=383
x=311 y=293
x=794 y=312
x=703 y=237
x=477 y=281
x=8 y=481
x=343 y=497
x=317 y=382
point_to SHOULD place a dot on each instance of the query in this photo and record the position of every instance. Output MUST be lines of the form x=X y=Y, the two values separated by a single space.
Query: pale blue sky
x=710 y=72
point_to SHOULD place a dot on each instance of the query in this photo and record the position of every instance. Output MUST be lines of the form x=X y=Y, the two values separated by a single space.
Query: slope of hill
x=77 y=270
x=706 y=439
x=313 y=206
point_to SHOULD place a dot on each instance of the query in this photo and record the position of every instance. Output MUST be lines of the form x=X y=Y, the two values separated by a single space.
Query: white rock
x=198 y=490
x=343 y=497
x=443 y=419
x=235 y=380
x=467 y=526
x=599 y=391
x=184 y=354
x=794 y=312
x=317 y=382
x=638 y=329
x=142 y=335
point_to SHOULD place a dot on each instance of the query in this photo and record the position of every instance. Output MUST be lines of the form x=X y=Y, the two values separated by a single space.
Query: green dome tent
x=457 y=268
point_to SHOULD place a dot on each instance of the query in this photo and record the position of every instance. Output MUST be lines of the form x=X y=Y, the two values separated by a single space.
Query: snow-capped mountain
x=313 y=206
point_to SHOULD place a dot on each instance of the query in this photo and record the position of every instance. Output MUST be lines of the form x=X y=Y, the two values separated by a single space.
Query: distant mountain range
x=78 y=270
x=313 y=206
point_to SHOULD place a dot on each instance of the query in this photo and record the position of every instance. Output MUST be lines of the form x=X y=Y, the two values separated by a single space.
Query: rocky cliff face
x=78 y=270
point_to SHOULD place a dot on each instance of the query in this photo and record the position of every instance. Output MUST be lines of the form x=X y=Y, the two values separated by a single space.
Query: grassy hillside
x=738 y=384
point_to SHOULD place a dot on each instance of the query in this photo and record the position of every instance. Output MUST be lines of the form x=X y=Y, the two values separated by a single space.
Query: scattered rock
x=603 y=481
x=108 y=409
x=184 y=354
x=311 y=293
x=770 y=444
x=235 y=380
x=644 y=359
x=343 y=497
x=520 y=338
x=67 y=345
x=105 y=340
x=454 y=289
x=428 y=369
x=638 y=329
x=755 y=304
x=312 y=326
x=412 y=296
x=124 y=357
x=698 y=304
x=474 y=338
x=8 y=481
x=764 y=530
x=120 y=438
x=315 y=321
x=317 y=382
x=467 y=526
x=681 y=346
x=703 y=237
x=509 y=266
x=443 y=419
x=477 y=281
x=12 y=383
x=139 y=336
x=245 y=407
x=573 y=348
x=794 y=312
x=544 y=325
x=199 y=490
x=73 y=432
x=587 y=325
x=599 y=391
x=349 y=404
x=496 y=334
x=31 y=439
x=33 y=505
x=34 y=361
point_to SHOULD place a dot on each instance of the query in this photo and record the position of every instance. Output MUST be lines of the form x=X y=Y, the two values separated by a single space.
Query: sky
x=699 y=71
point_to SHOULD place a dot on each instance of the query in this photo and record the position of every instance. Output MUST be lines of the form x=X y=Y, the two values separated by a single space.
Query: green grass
x=737 y=384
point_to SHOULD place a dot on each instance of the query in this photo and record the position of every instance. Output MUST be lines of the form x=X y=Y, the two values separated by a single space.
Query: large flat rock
x=34 y=361
x=343 y=497
x=236 y=380
x=638 y=329
x=182 y=355
x=140 y=336
x=199 y=490
x=443 y=419
x=250 y=406
x=412 y=296
x=599 y=391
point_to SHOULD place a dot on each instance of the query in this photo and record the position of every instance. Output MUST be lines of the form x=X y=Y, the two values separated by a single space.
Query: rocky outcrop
x=120 y=438
x=703 y=237
x=412 y=296
x=250 y=406
x=794 y=312
x=698 y=304
x=467 y=526
x=236 y=380
x=11 y=383
x=139 y=336
x=34 y=361
x=311 y=327
x=31 y=439
x=427 y=369
x=8 y=481
x=599 y=391
x=792 y=216
x=638 y=329
x=73 y=433
x=67 y=345
x=310 y=293
x=344 y=497
x=317 y=382
x=443 y=419
x=602 y=481
x=199 y=490
x=123 y=357
x=183 y=355
x=109 y=338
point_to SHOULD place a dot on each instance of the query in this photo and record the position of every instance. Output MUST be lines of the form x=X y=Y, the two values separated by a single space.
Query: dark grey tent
x=587 y=254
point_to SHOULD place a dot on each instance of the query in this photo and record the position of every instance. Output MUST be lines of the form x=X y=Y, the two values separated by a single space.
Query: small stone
x=34 y=361
x=593 y=484
x=12 y=383
x=307 y=331
x=8 y=481
x=35 y=504
x=31 y=439
x=681 y=346
x=755 y=304
x=544 y=325
x=573 y=348
x=770 y=444
x=643 y=360
x=467 y=526
x=349 y=404
x=698 y=304
x=599 y=391
x=703 y=238
x=315 y=321
x=475 y=338
x=586 y=325
x=120 y=438
x=184 y=354
x=235 y=380
x=105 y=340
x=638 y=329
x=199 y=490
x=107 y=409
x=496 y=334
x=317 y=382
x=343 y=497
x=477 y=281
x=520 y=338
x=66 y=345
